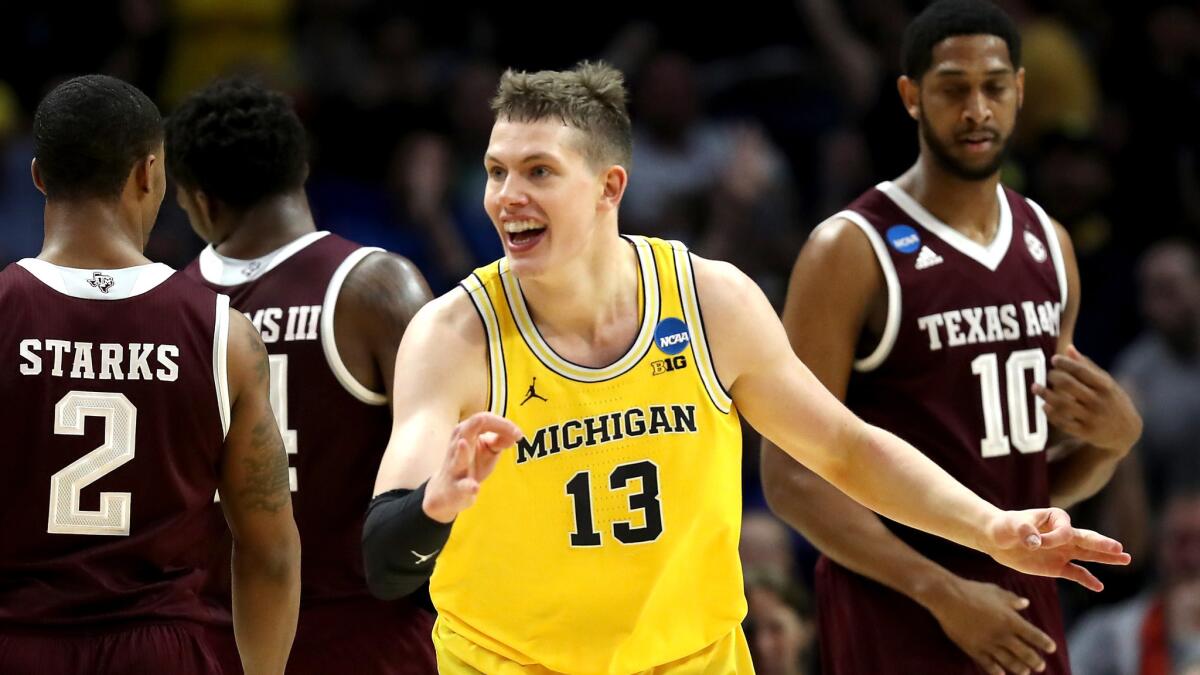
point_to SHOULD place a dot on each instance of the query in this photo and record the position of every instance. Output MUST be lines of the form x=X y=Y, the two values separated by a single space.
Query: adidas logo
x=927 y=258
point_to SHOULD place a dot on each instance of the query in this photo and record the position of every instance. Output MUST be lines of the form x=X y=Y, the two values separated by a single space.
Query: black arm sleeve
x=400 y=543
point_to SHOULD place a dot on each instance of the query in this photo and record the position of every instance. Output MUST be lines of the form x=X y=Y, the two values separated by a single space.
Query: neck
x=91 y=233
x=268 y=225
x=592 y=299
x=969 y=206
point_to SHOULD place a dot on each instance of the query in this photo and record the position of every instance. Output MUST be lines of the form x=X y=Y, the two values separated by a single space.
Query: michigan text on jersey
x=606 y=428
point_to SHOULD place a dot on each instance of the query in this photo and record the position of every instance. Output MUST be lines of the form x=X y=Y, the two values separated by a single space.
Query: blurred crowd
x=750 y=128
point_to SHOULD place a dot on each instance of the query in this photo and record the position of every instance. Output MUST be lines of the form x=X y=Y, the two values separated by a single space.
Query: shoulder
x=448 y=324
x=445 y=344
x=838 y=239
x=383 y=278
x=719 y=284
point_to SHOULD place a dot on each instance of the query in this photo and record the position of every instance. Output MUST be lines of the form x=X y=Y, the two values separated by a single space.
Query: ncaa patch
x=903 y=238
x=671 y=336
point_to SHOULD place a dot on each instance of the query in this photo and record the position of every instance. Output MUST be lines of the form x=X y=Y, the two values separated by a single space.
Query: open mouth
x=523 y=235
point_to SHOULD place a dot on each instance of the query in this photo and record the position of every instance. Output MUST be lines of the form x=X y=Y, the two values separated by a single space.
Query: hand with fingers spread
x=985 y=621
x=1043 y=543
x=475 y=446
x=1084 y=401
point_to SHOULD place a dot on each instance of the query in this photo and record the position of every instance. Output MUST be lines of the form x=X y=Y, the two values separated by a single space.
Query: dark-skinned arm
x=379 y=298
x=257 y=502
x=1094 y=420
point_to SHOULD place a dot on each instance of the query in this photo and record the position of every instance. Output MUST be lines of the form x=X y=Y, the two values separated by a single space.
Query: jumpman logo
x=532 y=393
x=421 y=559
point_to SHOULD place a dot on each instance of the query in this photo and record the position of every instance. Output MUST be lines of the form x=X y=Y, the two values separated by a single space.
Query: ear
x=616 y=179
x=1020 y=87
x=37 y=177
x=910 y=95
x=207 y=206
x=143 y=174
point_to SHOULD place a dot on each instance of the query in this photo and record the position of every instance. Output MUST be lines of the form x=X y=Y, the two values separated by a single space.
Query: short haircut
x=950 y=18
x=591 y=98
x=89 y=132
x=238 y=142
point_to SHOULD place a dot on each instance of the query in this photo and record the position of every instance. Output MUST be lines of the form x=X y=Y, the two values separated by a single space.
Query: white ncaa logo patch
x=1035 y=246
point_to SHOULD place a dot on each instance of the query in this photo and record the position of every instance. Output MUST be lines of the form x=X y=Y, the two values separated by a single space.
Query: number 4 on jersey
x=279 y=406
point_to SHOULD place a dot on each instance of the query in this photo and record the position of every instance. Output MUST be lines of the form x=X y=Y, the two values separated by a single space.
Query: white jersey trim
x=98 y=284
x=497 y=372
x=891 y=326
x=1056 y=254
x=328 y=338
x=651 y=308
x=224 y=271
x=221 y=361
x=689 y=300
x=989 y=256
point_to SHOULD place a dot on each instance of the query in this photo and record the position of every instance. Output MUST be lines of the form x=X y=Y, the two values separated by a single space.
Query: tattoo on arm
x=266 y=487
x=258 y=352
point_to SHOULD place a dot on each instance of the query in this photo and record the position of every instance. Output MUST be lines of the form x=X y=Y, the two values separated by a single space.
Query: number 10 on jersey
x=1025 y=439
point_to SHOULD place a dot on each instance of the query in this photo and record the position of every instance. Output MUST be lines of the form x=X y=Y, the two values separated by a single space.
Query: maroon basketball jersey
x=115 y=412
x=334 y=428
x=969 y=328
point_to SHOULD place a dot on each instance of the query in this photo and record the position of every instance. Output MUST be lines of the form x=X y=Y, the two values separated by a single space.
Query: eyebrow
x=535 y=157
x=956 y=72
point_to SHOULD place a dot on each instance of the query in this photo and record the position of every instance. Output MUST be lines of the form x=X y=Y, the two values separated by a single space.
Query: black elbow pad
x=400 y=543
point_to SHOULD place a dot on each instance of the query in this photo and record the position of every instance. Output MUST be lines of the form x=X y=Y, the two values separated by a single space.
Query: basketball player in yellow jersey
x=606 y=541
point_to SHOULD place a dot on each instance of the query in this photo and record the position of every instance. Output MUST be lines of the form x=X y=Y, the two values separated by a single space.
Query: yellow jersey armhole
x=497 y=375
x=689 y=300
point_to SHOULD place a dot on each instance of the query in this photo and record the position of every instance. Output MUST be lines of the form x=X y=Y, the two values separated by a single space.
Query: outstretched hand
x=1042 y=542
x=475 y=446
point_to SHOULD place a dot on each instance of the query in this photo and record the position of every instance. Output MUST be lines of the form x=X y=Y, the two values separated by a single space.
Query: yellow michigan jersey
x=606 y=541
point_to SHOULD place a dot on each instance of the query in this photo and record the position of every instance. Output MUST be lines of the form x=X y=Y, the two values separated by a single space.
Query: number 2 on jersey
x=120 y=422
x=579 y=488
x=1026 y=440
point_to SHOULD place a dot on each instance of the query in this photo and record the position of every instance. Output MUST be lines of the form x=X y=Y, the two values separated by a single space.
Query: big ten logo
x=668 y=365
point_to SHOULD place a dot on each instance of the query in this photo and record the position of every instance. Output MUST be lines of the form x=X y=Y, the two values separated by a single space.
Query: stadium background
x=752 y=124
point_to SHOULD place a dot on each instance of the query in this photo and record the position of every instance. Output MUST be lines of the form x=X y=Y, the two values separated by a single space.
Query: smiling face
x=543 y=197
x=966 y=104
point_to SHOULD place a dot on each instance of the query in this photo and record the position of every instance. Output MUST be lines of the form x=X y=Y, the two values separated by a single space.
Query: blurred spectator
x=721 y=188
x=1158 y=632
x=780 y=627
x=766 y=544
x=1070 y=177
x=212 y=38
x=21 y=204
x=1061 y=86
x=1161 y=370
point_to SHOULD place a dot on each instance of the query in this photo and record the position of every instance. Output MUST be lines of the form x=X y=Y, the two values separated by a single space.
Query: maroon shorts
x=868 y=629
x=362 y=636
x=169 y=647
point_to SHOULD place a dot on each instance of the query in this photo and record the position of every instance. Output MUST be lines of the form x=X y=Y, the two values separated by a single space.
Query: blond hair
x=590 y=97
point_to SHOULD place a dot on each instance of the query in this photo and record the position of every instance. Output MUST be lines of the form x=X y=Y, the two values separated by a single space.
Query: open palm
x=1042 y=542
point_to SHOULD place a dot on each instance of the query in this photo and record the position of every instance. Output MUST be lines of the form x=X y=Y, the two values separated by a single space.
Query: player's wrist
x=932 y=586
x=435 y=506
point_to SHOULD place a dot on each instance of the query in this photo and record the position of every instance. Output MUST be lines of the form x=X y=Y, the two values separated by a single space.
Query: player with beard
x=940 y=306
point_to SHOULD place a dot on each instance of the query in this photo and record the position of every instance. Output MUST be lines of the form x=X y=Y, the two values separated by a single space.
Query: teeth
x=515 y=226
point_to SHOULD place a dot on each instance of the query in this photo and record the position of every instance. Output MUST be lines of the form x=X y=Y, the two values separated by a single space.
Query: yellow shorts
x=456 y=655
